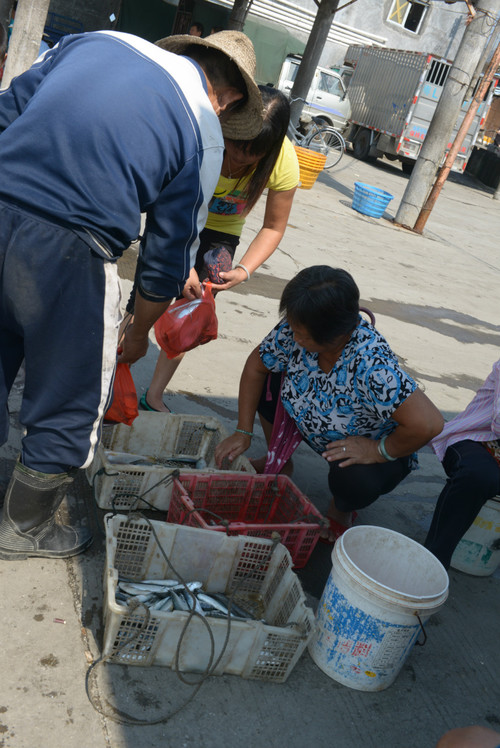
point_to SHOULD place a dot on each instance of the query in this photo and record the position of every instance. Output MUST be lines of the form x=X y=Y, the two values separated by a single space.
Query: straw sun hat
x=244 y=123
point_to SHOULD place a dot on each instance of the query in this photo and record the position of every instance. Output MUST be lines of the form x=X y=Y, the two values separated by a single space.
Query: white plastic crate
x=158 y=435
x=258 y=650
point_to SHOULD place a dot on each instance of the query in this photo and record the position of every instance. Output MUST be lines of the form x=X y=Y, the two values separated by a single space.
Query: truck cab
x=326 y=100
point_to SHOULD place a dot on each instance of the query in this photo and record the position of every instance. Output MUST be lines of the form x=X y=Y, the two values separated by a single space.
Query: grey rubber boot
x=28 y=526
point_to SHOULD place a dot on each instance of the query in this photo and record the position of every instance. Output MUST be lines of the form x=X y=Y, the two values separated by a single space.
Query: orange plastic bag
x=123 y=408
x=187 y=324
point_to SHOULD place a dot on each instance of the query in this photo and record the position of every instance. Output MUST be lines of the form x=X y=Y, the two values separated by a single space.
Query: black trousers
x=473 y=478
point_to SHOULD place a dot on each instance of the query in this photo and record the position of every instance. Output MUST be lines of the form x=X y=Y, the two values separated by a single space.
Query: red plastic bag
x=187 y=324
x=123 y=408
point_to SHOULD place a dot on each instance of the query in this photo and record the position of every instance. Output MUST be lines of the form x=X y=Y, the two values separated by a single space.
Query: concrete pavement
x=435 y=298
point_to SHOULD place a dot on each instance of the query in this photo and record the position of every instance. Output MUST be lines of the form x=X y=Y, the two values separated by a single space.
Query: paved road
x=436 y=300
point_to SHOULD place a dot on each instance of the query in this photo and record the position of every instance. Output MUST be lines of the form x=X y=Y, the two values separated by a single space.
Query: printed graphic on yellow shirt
x=232 y=204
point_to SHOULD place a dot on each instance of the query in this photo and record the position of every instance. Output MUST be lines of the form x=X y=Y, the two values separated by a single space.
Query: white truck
x=393 y=95
x=327 y=101
x=278 y=55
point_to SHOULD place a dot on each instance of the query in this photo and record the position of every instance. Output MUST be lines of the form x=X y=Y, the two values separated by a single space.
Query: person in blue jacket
x=101 y=129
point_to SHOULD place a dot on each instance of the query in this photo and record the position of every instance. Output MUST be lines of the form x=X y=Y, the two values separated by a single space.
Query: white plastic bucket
x=382 y=588
x=478 y=553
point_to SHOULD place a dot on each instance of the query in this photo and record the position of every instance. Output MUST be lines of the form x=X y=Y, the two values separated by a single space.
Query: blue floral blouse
x=356 y=398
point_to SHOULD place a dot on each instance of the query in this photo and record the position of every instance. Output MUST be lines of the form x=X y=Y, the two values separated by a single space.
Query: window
x=408 y=13
x=438 y=72
x=294 y=69
x=330 y=83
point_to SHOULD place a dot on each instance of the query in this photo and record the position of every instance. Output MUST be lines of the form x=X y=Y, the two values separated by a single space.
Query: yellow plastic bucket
x=311 y=164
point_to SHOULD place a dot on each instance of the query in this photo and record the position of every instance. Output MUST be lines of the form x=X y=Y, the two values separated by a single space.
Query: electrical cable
x=118 y=715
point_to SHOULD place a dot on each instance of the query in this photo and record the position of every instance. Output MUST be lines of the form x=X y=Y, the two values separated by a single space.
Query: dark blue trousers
x=473 y=478
x=59 y=313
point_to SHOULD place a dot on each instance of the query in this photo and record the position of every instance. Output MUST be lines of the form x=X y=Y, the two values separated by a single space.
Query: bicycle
x=318 y=137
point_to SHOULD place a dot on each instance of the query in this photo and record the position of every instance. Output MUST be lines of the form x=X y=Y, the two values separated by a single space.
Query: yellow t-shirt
x=229 y=199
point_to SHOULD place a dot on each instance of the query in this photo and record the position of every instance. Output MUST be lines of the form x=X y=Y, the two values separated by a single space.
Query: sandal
x=336 y=529
x=144 y=405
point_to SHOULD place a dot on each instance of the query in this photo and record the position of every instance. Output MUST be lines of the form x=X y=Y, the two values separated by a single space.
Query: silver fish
x=160 y=582
x=211 y=603
x=193 y=586
x=190 y=460
x=144 y=599
x=218 y=614
x=193 y=602
x=164 y=603
x=167 y=604
x=190 y=586
x=179 y=601
x=127 y=458
x=141 y=588
x=235 y=608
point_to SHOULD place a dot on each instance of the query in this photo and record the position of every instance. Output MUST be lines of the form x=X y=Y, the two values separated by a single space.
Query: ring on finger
x=343 y=449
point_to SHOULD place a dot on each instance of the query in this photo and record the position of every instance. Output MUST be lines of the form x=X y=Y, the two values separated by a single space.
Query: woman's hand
x=418 y=420
x=278 y=206
x=353 y=450
x=231 y=278
x=231 y=448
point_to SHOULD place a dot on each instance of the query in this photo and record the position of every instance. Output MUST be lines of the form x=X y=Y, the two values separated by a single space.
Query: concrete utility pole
x=26 y=37
x=312 y=53
x=438 y=136
x=459 y=138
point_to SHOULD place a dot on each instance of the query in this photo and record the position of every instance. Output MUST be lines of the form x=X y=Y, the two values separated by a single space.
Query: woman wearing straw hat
x=144 y=137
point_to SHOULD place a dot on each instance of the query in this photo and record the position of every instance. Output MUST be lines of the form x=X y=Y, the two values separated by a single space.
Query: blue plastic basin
x=371 y=201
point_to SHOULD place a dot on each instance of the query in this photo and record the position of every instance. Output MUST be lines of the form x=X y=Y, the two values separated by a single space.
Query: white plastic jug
x=478 y=553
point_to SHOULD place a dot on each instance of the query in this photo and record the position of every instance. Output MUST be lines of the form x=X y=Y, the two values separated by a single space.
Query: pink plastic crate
x=242 y=504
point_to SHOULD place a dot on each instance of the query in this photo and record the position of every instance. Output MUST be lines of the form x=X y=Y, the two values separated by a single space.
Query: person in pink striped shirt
x=469 y=448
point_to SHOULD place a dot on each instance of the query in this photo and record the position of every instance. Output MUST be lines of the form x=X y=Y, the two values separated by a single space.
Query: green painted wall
x=272 y=43
x=153 y=19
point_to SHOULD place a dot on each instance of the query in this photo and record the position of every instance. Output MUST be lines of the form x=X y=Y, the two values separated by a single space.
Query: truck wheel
x=407 y=167
x=322 y=122
x=361 y=145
